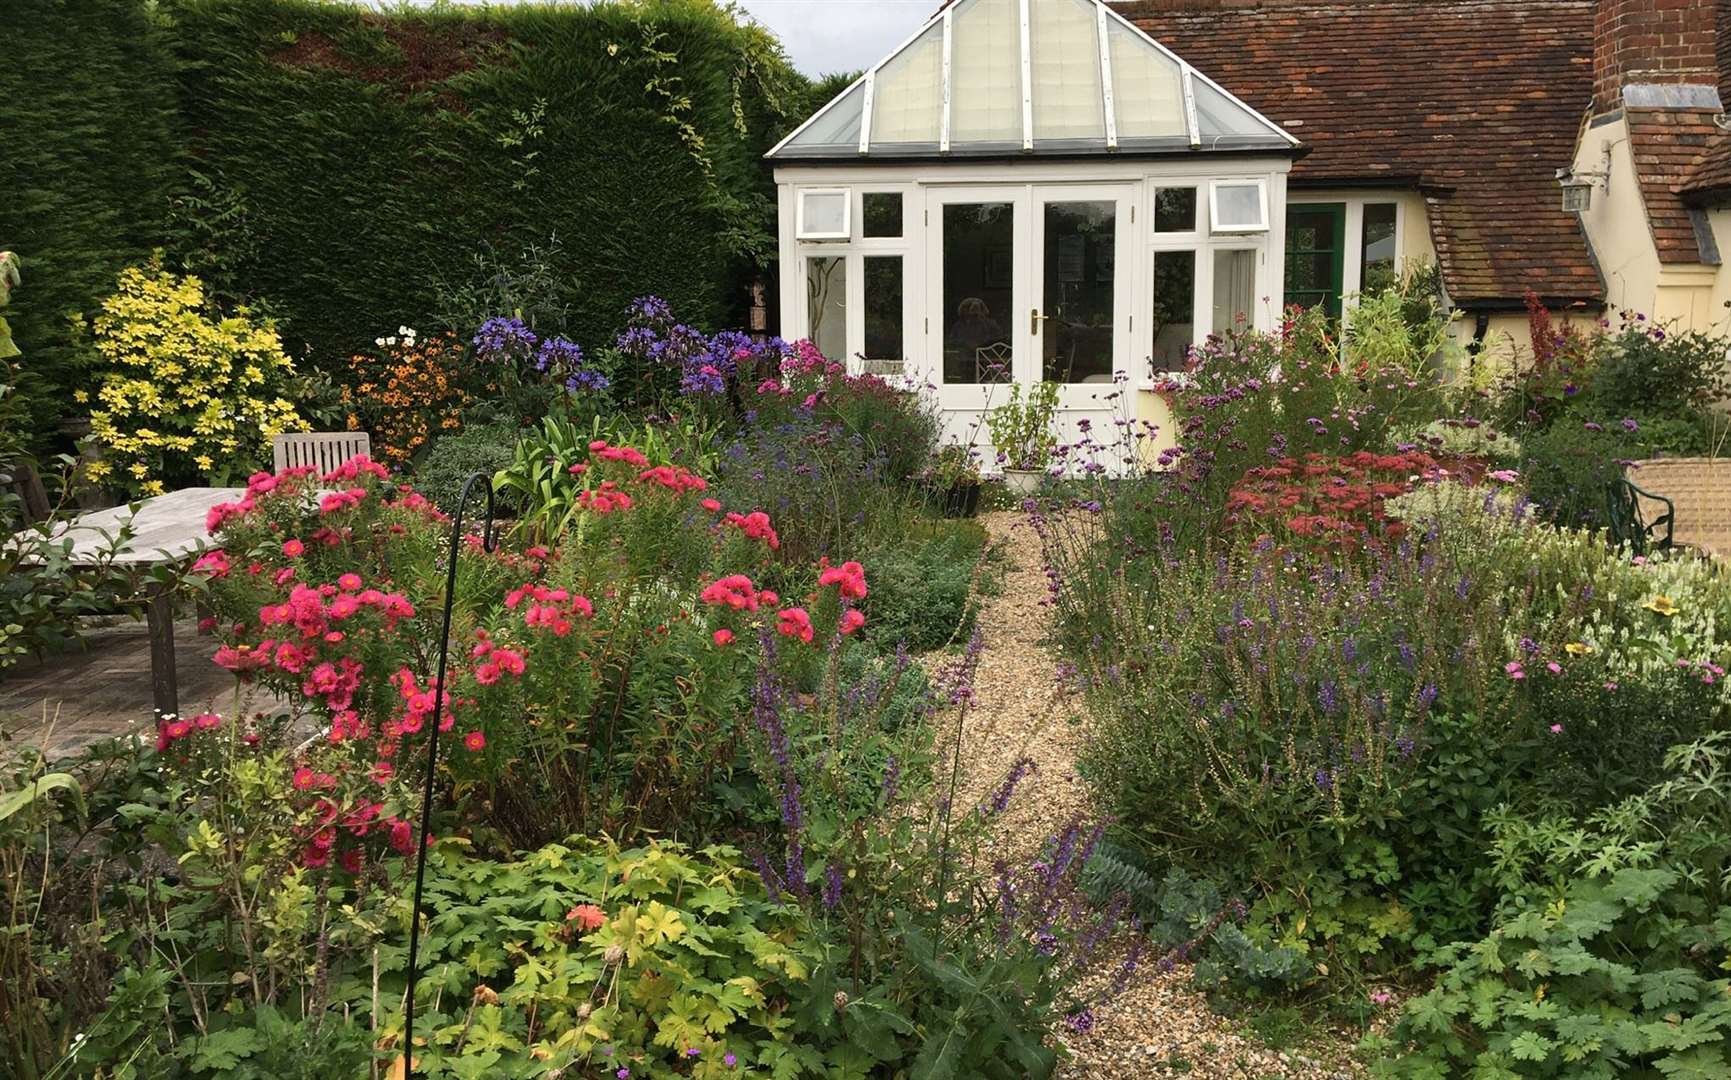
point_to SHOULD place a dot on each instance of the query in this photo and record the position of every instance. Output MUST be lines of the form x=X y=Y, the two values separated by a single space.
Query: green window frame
x=1316 y=255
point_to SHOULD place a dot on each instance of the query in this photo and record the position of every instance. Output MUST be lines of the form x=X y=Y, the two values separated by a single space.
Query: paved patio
x=103 y=691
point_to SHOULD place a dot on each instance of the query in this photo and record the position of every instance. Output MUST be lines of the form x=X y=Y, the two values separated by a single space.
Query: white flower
x=390 y=341
x=379 y=341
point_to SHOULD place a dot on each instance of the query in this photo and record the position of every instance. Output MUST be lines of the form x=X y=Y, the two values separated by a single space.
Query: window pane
x=1081 y=257
x=883 y=307
x=826 y=300
x=1380 y=272
x=824 y=213
x=986 y=74
x=1238 y=206
x=1064 y=43
x=839 y=126
x=1314 y=260
x=1148 y=93
x=1174 y=308
x=1234 y=289
x=908 y=94
x=979 y=278
x=882 y=212
x=1175 y=210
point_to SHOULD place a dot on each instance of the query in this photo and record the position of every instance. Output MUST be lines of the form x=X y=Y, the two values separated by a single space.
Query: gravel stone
x=1160 y=1026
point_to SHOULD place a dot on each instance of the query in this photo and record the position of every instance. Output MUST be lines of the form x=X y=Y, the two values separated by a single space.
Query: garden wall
x=337 y=166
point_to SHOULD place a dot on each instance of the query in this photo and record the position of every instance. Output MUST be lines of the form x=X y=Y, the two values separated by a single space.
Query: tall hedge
x=90 y=156
x=333 y=163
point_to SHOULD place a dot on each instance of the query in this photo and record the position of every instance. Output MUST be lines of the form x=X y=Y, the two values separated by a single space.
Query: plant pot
x=1023 y=481
x=959 y=500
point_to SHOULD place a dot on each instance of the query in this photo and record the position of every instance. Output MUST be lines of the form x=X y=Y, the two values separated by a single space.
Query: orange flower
x=587 y=917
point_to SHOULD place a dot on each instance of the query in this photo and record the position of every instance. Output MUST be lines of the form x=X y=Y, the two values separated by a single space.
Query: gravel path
x=1159 y=1026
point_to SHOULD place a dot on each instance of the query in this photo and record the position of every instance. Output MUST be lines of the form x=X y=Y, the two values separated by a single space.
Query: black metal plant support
x=488 y=543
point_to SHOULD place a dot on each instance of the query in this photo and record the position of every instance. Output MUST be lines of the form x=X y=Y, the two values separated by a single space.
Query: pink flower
x=206 y=721
x=1556 y=729
x=850 y=576
x=1554 y=668
x=723 y=636
x=475 y=741
x=1513 y=667
x=710 y=505
x=293 y=548
x=304 y=778
x=794 y=622
x=1504 y=476
x=349 y=582
x=215 y=563
x=852 y=619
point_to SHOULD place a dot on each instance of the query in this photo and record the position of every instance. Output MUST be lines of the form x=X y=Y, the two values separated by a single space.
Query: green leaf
x=226 y=1049
x=14 y=801
x=1531 y=1046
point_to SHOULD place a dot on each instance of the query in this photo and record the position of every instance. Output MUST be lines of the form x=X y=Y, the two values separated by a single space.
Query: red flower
x=723 y=636
x=852 y=619
x=475 y=741
x=293 y=548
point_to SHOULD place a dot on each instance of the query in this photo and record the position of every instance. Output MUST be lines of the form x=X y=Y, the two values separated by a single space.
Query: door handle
x=1035 y=319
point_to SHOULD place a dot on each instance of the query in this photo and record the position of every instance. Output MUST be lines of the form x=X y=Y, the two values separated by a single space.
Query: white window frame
x=1214 y=224
x=854 y=248
x=803 y=235
x=1203 y=243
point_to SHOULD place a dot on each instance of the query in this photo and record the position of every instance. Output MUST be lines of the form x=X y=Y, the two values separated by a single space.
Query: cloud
x=824 y=36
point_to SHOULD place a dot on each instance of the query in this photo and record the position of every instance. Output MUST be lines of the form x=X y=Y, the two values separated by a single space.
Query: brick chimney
x=1668 y=42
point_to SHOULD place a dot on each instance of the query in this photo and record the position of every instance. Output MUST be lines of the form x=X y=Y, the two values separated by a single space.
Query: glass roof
x=997 y=77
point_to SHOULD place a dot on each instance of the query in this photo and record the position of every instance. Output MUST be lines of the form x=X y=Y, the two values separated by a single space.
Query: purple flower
x=1000 y=799
x=832 y=882
x=1630 y=425
x=503 y=341
x=1081 y=1021
x=730 y=1059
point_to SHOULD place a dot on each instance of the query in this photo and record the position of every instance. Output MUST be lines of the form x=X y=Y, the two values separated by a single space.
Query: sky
x=824 y=36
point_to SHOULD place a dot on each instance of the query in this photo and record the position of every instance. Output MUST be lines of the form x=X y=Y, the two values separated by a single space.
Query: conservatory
x=1026 y=191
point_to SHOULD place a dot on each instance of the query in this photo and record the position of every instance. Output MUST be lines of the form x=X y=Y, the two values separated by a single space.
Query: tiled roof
x=1475 y=102
x=1709 y=181
x=1669 y=147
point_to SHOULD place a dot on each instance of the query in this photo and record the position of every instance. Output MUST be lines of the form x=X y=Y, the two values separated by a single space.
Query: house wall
x=1687 y=295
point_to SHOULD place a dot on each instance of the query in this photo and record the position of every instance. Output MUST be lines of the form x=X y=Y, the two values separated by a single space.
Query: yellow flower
x=1661 y=605
x=81 y=396
x=1576 y=648
x=202 y=461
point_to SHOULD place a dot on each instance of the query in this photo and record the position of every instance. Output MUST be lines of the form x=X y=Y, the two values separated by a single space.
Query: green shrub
x=442 y=470
x=921 y=587
x=1567 y=468
x=1605 y=961
x=1330 y=736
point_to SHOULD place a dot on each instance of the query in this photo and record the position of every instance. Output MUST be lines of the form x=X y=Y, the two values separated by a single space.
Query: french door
x=1027 y=287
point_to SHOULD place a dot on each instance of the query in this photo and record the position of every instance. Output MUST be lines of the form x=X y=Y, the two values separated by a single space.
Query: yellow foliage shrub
x=184 y=394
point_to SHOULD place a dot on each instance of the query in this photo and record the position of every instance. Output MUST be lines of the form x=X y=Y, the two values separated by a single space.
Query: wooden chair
x=1630 y=526
x=323 y=450
x=21 y=479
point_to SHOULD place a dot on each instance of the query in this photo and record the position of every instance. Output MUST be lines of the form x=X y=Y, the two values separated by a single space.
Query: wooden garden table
x=167 y=530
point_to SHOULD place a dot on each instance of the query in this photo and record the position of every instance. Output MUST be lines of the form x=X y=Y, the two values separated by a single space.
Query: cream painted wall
x=1691 y=296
